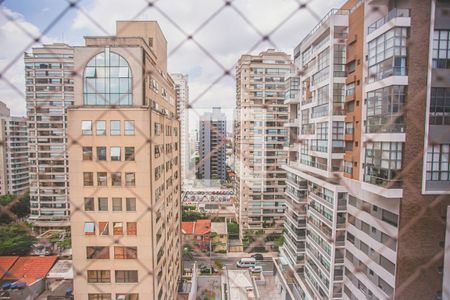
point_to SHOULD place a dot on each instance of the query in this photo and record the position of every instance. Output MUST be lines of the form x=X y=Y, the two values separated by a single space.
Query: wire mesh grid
x=264 y=37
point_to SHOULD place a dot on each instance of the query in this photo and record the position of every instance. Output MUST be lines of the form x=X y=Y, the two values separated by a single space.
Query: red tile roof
x=28 y=269
x=199 y=227
x=187 y=227
x=6 y=263
x=202 y=227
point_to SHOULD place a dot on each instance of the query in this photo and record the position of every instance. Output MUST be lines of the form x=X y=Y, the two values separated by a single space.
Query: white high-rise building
x=259 y=140
x=49 y=92
x=14 y=165
x=182 y=105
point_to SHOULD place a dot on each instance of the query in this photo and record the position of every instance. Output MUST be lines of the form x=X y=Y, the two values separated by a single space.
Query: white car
x=256 y=269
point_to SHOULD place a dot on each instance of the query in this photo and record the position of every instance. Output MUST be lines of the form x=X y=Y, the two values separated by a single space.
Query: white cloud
x=225 y=37
x=16 y=35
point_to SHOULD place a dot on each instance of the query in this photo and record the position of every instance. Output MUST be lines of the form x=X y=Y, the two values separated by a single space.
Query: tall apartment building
x=49 y=91
x=14 y=164
x=387 y=190
x=260 y=137
x=124 y=167
x=212 y=145
x=182 y=103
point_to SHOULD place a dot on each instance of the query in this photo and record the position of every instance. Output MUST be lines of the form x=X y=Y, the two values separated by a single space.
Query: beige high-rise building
x=49 y=91
x=14 y=165
x=125 y=167
x=260 y=140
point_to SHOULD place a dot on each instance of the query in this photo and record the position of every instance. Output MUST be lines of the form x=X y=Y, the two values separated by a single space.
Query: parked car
x=256 y=269
x=246 y=262
x=258 y=256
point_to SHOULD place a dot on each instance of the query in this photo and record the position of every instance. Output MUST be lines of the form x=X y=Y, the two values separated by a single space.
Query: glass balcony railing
x=314 y=164
x=383 y=182
x=396 y=12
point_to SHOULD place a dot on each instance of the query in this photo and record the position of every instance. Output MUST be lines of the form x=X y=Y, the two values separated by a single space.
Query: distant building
x=197 y=234
x=49 y=91
x=14 y=164
x=182 y=102
x=259 y=140
x=212 y=145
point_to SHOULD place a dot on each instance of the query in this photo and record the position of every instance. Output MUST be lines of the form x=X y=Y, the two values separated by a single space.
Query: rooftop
x=61 y=270
x=6 y=262
x=219 y=227
x=28 y=269
x=199 y=227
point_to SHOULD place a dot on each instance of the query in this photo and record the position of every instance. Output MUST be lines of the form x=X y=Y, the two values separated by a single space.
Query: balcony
x=383 y=182
x=328 y=201
x=314 y=164
x=395 y=13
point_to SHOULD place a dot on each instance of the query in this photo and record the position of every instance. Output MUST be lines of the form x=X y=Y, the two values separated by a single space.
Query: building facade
x=49 y=91
x=259 y=141
x=182 y=101
x=124 y=159
x=374 y=225
x=14 y=164
x=212 y=145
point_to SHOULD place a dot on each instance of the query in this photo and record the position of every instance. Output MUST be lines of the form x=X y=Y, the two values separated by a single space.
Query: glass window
x=131 y=228
x=126 y=276
x=87 y=153
x=383 y=162
x=99 y=296
x=88 y=179
x=125 y=252
x=131 y=204
x=115 y=153
x=103 y=228
x=130 y=179
x=115 y=128
x=99 y=276
x=102 y=179
x=116 y=179
x=101 y=153
x=438 y=162
x=100 y=127
x=129 y=127
x=108 y=80
x=158 y=129
x=89 y=204
x=117 y=204
x=387 y=54
x=117 y=228
x=129 y=153
x=97 y=252
x=441 y=49
x=127 y=297
x=86 y=127
x=440 y=106
x=102 y=204
x=89 y=228
x=385 y=109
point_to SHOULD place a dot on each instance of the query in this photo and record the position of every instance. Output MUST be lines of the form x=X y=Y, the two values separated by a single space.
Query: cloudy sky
x=232 y=31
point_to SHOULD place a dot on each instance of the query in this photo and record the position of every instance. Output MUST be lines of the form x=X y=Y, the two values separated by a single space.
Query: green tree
x=20 y=208
x=233 y=228
x=190 y=216
x=15 y=240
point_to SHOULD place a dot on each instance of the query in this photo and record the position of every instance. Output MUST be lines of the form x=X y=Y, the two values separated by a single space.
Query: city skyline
x=202 y=70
